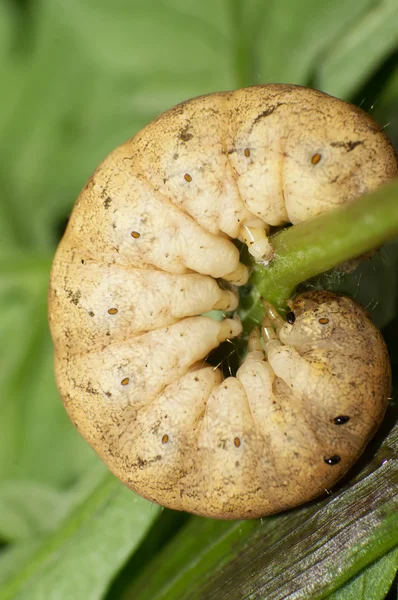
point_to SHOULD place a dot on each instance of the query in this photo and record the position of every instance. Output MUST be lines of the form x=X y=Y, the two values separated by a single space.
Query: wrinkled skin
x=150 y=234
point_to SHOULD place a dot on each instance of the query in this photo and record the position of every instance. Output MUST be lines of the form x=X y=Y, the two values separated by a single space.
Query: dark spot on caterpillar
x=290 y=317
x=247 y=152
x=341 y=420
x=333 y=460
x=175 y=155
x=349 y=146
x=91 y=314
x=125 y=381
x=268 y=112
x=82 y=261
x=237 y=463
x=74 y=297
x=165 y=439
x=108 y=394
x=187 y=177
x=316 y=158
x=184 y=134
x=135 y=235
x=196 y=379
x=107 y=202
x=90 y=389
x=236 y=442
x=112 y=311
x=323 y=321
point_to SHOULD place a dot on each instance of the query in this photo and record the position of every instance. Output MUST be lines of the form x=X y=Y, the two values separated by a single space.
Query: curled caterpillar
x=150 y=234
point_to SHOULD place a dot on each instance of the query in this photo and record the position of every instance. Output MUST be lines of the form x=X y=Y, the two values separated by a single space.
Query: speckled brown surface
x=150 y=234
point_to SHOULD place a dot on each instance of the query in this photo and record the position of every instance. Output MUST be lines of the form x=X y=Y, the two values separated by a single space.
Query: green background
x=78 y=77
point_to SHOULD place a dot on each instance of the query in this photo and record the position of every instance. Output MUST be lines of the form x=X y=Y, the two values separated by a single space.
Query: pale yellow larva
x=150 y=233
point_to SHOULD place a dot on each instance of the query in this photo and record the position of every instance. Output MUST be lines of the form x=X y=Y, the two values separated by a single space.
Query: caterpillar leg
x=286 y=362
x=271 y=327
x=257 y=242
x=254 y=342
x=275 y=320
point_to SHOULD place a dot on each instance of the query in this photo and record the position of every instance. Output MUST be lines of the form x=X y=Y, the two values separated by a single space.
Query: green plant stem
x=313 y=247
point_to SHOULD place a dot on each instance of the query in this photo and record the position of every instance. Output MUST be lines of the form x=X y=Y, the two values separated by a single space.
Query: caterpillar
x=149 y=238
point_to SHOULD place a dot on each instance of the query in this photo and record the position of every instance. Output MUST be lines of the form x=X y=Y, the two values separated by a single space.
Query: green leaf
x=6 y=31
x=294 y=37
x=80 y=558
x=200 y=544
x=373 y=583
x=28 y=508
x=372 y=37
x=124 y=27
x=384 y=105
x=14 y=556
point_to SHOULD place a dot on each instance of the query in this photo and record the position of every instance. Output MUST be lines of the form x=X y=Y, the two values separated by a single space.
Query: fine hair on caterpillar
x=150 y=249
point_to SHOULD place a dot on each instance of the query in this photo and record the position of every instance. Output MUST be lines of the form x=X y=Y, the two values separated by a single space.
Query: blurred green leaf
x=27 y=508
x=384 y=104
x=80 y=558
x=194 y=550
x=296 y=37
x=363 y=46
x=14 y=556
x=134 y=37
x=6 y=31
